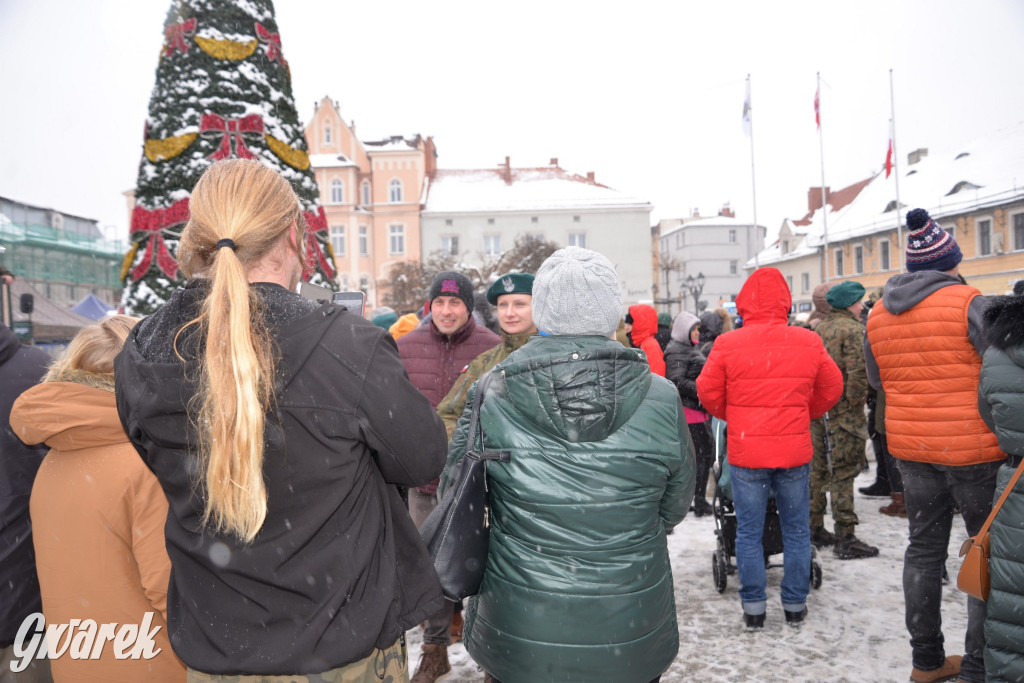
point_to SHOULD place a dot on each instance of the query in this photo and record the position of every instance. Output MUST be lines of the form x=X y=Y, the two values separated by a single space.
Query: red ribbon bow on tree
x=176 y=34
x=153 y=223
x=316 y=223
x=272 y=41
x=232 y=129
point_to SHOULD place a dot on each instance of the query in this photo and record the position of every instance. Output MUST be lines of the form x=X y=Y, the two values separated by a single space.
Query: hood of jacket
x=645 y=323
x=9 y=343
x=579 y=389
x=1004 y=326
x=818 y=296
x=73 y=413
x=764 y=298
x=682 y=325
x=906 y=290
x=710 y=327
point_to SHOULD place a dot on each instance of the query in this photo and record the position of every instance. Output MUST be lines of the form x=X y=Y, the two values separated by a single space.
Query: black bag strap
x=475 y=447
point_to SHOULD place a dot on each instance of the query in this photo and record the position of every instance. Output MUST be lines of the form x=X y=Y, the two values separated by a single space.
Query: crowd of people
x=249 y=467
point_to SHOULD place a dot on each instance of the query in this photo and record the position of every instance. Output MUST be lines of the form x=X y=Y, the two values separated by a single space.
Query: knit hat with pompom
x=929 y=247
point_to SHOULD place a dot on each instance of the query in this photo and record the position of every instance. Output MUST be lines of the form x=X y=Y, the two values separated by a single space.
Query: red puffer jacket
x=645 y=325
x=767 y=379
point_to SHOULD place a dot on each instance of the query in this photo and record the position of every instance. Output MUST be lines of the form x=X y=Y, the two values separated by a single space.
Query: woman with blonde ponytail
x=279 y=429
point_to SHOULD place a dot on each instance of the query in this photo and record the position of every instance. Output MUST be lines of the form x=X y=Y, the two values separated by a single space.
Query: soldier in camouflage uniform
x=513 y=295
x=843 y=336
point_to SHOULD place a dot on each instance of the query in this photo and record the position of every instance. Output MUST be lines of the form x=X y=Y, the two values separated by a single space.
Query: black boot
x=795 y=618
x=701 y=507
x=821 y=537
x=848 y=547
x=880 y=489
x=753 y=621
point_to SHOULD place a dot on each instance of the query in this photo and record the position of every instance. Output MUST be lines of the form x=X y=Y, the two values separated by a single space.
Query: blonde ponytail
x=254 y=207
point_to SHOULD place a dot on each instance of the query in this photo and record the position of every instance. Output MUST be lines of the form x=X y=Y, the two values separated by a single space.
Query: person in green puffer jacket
x=1001 y=405
x=578 y=585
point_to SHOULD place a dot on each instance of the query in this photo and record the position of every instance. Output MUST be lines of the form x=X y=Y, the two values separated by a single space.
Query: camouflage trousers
x=383 y=666
x=847 y=463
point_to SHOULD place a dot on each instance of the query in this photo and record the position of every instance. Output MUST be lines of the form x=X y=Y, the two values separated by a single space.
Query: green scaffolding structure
x=42 y=252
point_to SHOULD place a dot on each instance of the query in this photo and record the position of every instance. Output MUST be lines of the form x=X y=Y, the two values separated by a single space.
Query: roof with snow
x=525 y=189
x=330 y=161
x=948 y=182
x=710 y=221
x=395 y=143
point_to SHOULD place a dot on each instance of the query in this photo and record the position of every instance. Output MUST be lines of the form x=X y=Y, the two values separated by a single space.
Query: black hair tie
x=230 y=244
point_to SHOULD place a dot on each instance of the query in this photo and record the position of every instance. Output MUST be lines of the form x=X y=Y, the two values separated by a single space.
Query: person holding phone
x=434 y=354
x=279 y=429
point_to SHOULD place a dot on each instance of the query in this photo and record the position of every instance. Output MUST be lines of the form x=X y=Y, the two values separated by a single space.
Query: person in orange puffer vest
x=644 y=321
x=924 y=347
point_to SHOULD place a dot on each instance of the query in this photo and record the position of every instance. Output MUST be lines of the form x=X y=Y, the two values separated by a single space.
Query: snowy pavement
x=854 y=629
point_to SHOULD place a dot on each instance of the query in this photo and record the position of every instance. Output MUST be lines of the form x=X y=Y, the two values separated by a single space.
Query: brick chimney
x=727 y=211
x=506 y=172
x=814 y=197
x=590 y=177
x=554 y=161
x=917 y=155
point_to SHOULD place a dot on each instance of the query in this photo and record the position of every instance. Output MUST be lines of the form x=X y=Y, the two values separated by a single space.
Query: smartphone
x=353 y=301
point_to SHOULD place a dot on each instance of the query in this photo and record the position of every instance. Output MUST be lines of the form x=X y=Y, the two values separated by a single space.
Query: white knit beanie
x=577 y=292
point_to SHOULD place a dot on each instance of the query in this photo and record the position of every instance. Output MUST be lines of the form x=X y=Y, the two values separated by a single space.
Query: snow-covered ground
x=854 y=630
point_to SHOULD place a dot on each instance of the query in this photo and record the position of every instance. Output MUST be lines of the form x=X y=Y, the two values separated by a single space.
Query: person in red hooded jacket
x=644 y=321
x=767 y=380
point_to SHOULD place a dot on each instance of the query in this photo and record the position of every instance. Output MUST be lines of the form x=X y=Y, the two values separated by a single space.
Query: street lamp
x=696 y=286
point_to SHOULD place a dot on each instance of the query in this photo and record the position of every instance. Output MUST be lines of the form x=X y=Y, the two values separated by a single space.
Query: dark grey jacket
x=1001 y=404
x=338 y=567
x=21 y=367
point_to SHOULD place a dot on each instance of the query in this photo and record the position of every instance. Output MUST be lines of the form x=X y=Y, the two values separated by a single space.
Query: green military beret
x=845 y=294
x=510 y=283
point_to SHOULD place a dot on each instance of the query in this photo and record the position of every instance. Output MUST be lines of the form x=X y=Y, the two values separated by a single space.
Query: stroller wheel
x=719 y=571
x=815 y=574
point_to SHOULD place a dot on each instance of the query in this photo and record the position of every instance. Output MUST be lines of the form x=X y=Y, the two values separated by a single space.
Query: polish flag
x=817 y=111
x=888 y=160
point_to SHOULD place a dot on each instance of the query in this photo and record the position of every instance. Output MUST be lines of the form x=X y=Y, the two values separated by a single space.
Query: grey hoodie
x=682 y=325
x=906 y=290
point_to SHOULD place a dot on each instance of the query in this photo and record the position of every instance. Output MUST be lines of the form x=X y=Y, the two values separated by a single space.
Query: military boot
x=950 y=669
x=433 y=664
x=848 y=547
x=821 y=537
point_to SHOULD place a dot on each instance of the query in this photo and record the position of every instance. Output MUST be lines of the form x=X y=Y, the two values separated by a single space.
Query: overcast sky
x=649 y=95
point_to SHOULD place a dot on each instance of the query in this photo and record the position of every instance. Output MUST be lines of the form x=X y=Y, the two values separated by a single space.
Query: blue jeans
x=930 y=493
x=750 y=488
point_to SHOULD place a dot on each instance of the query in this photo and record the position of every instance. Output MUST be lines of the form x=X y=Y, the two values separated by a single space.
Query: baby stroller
x=725 y=520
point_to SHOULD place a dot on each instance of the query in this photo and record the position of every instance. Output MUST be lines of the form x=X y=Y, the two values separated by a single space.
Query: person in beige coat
x=97 y=512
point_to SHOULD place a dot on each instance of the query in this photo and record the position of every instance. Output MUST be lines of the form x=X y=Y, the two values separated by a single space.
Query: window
x=984 y=237
x=805 y=282
x=951 y=230
x=732 y=237
x=490 y=221
x=534 y=219
x=364 y=241
x=492 y=245
x=395 y=191
x=337 y=191
x=578 y=239
x=1018 y=231
x=396 y=239
x=344 y=282
x=575 y=219
x=327 y=135
x=884 y=261
x=450 y=245
x=71 y=292
x=366 y=193
x=784 y=247
x=447 y=221
x=839 y=262
x=734 y=267
x=858 y=258
x=364 y=284
x=338 y=239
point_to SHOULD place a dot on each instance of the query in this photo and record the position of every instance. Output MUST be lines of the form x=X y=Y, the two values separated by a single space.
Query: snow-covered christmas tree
x=223 y=89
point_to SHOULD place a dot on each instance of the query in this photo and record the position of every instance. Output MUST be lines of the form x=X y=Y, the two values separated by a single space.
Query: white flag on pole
x=746 y=112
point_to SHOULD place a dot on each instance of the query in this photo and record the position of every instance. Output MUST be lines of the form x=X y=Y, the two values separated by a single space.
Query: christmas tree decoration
x=231 y=98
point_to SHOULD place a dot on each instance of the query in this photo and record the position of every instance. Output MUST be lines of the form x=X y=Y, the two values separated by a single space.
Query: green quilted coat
x=578 y=585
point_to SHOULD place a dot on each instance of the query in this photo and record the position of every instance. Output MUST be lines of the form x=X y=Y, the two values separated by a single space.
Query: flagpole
x=821 y=147
x=896 y=168
x=753 y=184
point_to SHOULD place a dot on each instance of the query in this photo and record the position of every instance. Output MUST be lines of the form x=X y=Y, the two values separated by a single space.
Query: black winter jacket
x=21 y=367
x=683 y=363
x=338 y=567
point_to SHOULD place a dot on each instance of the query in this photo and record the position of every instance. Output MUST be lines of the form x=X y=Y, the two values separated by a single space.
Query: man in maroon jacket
x=434 y=354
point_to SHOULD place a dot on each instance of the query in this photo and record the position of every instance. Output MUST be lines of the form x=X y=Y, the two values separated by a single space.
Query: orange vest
x=930 y=373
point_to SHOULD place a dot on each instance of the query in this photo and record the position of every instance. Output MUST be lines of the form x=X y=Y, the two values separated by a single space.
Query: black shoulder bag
x=457 y=532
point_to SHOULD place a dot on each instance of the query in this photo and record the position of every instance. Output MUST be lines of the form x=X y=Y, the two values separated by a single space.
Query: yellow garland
x=168 y=148
x=226 y=49
x=330 y=250
x=295 y=158
x=128 y=258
